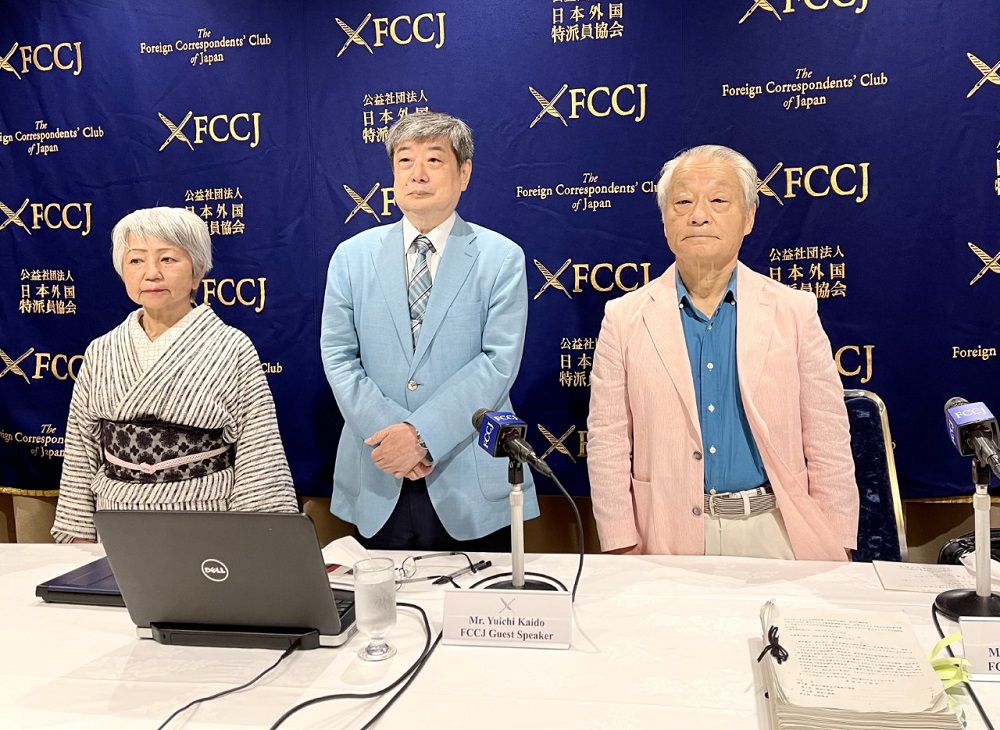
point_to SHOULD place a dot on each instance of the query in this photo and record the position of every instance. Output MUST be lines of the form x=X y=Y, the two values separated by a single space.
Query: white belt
x=168 y=464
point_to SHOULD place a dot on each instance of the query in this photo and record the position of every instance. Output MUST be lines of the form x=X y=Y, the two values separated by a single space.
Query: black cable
x=192 y=703
x=579 y=542
x=579 y=532
x=968 y=685
x=411 y=672
x=413 y=676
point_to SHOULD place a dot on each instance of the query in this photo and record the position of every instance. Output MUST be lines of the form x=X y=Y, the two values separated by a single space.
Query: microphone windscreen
x=477 y=417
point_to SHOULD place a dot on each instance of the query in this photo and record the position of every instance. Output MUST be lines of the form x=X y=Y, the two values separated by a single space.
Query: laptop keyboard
x=343 y=605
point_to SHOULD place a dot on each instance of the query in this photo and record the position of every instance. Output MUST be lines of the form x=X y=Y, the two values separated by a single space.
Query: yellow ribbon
x=950 y=670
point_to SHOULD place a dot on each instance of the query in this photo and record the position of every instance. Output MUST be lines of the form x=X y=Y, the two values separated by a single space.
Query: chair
x=881 y=531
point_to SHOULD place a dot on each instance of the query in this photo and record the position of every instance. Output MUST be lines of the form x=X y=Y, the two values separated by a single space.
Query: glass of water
x=375 y=605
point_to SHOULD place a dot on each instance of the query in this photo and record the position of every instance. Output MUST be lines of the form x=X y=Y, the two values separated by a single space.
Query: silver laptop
x=225 y=578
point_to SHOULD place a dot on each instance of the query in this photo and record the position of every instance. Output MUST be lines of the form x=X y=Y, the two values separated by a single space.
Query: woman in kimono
x=171 y=409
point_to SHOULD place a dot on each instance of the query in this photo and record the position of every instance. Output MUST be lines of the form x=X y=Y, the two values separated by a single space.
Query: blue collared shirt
x=732 y=459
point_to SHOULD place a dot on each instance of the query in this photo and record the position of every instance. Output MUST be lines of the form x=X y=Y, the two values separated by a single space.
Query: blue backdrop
x=873 y=125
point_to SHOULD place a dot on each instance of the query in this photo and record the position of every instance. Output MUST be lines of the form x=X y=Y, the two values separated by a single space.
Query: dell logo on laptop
x=214 y=570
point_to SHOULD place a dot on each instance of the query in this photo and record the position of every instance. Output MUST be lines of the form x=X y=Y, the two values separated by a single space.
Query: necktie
x=420 y=284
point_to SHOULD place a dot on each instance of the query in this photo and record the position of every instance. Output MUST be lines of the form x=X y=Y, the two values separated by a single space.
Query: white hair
x=178 y=226
x=745 y=171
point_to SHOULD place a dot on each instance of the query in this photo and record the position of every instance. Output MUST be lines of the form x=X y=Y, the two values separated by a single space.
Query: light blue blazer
x=467 y=357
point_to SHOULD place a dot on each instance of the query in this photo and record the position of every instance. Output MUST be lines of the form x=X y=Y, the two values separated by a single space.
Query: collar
x=136 y=329
x=437 y=235
x=684 y=300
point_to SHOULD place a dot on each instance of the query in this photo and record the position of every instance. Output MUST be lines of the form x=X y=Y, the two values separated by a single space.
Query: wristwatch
x=420 y=439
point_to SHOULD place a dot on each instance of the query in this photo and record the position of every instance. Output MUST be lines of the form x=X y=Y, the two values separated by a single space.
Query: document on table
x=843 y=668
x=920 y=578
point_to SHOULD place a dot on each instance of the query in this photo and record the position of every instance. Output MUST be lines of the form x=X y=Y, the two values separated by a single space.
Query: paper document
x=920 y=578
x=862 y=661
x=830 y=669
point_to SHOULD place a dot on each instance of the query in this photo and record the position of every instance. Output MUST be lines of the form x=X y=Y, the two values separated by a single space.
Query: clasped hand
x=396 y=452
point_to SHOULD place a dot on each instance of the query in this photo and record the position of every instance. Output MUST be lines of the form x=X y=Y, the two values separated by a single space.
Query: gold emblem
x=764 y=188
x=5 y=61
x=386 y=30
x=582 y=100
x=819 y=181
x=765 y=5
x=354 y=36
x=556 y=443
x=215 y=288
x=12 y=365
x=13 y=217
x=858 y=5
x=176 y=131
x=989 y=74
x=205 y=126
x=548 y=107
x=362 y=203
x=990 y=263
x=552 y=279
x=864 y=366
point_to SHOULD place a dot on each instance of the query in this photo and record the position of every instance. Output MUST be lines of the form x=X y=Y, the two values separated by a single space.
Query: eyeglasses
x=408 y=568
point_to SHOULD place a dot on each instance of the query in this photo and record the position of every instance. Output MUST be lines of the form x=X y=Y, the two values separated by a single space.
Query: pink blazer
x=644 y=440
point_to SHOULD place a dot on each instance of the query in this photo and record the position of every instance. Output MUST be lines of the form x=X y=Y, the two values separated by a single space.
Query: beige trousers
x=757 y=536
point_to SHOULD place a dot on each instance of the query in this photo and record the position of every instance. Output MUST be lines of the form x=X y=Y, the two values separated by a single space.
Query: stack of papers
x=849 y=669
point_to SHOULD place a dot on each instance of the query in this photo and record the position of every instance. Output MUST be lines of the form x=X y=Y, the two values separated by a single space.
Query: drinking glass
x=375 y=605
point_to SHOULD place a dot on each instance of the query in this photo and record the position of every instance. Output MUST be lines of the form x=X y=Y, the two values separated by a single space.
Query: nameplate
x=981 y=641
x=525 y=619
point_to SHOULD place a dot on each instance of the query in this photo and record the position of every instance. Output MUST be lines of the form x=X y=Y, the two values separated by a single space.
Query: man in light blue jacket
x=423 y=324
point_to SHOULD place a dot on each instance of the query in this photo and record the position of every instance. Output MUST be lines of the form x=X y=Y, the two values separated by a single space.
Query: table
x=659 y=642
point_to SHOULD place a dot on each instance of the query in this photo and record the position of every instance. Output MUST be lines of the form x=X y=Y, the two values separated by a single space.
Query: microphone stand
x=982 y=601
x=515 y=475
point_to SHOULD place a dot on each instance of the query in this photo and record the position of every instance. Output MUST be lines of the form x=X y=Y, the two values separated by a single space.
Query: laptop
x=92 y=584
x=250 y=579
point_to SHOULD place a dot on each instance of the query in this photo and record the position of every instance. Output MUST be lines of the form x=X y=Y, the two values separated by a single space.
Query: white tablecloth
x=659 y=642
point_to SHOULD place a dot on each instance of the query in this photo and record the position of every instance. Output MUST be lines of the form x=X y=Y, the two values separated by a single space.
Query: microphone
x=502 y=434
x=973 y=430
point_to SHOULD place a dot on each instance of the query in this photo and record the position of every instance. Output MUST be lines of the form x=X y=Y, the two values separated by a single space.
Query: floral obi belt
x=154 y=451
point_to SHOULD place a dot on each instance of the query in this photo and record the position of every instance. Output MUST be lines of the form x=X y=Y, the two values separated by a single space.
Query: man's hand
x=396 y=451
x=422 y=469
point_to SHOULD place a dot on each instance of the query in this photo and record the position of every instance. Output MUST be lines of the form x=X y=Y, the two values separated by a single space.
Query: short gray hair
x=745 y=171
x=431 y=125
x=178 y=226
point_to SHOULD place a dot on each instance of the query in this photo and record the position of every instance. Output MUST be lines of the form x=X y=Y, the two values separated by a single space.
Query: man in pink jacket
x=717 y=420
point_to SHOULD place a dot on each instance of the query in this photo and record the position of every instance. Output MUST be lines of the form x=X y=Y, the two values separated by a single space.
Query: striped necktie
x=420 y=284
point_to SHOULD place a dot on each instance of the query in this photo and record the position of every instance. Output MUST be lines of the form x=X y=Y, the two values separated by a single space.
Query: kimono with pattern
x=209 y=378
